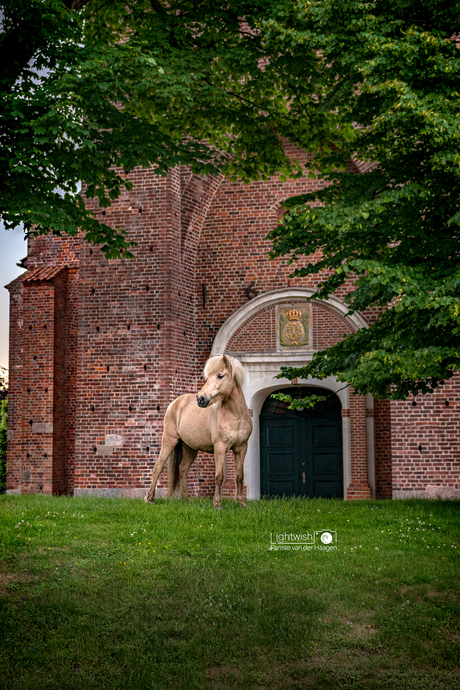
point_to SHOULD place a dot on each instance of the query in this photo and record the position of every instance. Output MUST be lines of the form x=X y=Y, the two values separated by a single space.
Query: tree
x=91 y=89
x=391 y=235
x=217 y=85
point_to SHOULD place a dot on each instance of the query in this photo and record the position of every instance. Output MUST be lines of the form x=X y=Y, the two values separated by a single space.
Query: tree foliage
x=3 y=382
x=90 y=89
x=394 y=74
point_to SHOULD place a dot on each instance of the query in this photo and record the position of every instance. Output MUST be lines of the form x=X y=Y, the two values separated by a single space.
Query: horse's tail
x=173 y=467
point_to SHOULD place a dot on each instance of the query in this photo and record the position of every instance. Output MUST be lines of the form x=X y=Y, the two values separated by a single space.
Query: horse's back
x=177 y=407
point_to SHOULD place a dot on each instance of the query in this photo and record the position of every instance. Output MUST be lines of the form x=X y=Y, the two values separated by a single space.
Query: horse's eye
x=220 y=376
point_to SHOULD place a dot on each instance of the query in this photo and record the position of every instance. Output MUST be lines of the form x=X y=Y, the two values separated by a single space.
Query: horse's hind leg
x=239 y=473
x=167 y=447
x=184 y=468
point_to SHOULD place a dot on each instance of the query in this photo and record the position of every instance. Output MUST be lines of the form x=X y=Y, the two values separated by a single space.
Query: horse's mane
x=216 y=364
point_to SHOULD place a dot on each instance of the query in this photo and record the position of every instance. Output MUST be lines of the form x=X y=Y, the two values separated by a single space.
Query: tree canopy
x=90 y=89
x=395 y=228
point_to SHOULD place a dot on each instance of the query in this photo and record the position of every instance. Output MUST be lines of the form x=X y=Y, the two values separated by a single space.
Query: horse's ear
x=226 y=361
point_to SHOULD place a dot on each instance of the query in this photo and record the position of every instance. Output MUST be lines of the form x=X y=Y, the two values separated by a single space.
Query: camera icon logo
x=327 y=536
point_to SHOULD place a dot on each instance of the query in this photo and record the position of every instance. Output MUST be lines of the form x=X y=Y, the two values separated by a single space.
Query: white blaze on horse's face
x=216 y=389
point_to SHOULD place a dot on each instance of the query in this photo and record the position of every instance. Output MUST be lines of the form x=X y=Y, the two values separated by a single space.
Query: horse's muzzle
x=203 y=400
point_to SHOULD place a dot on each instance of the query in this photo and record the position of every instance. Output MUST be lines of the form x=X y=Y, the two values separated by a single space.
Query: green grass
x=116 y=594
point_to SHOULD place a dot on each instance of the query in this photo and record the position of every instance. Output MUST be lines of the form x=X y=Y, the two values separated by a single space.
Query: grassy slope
x=100 y=593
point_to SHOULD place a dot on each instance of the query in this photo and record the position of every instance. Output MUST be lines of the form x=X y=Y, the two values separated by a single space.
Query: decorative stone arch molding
x=272 y=298
x=261 y=371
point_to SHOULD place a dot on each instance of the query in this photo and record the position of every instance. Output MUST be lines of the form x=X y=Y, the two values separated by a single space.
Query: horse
x=215 y=420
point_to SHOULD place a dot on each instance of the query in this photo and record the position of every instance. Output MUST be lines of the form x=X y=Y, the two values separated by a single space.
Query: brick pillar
x=15 y=398
x=358 y=487
x=383 y=461
x=59 y=476
x=36 y=449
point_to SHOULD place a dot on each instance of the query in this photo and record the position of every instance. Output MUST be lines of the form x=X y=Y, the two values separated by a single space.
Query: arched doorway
x=301 y=451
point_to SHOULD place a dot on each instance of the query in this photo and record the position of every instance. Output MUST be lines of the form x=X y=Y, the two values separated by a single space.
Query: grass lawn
x=108 y=594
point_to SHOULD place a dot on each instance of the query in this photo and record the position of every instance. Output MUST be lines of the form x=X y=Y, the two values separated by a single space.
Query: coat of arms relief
x=294 y=326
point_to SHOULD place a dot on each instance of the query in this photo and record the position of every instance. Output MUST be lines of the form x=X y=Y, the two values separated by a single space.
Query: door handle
x=303 y=477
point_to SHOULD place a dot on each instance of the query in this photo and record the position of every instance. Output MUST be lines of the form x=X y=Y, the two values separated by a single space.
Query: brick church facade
x=98 y=349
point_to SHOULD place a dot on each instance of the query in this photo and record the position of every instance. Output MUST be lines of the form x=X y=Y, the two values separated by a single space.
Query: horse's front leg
x=167 y=447
x=219 y=459
x=239 y=456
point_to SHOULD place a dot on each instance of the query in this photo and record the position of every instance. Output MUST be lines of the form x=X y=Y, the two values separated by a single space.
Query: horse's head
x=222 y=374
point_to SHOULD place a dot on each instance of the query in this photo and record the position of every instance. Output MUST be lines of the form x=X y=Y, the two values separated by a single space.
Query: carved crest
x=294 y=326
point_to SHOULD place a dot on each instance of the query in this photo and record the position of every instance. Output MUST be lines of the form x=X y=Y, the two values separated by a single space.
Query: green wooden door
x=301 y=452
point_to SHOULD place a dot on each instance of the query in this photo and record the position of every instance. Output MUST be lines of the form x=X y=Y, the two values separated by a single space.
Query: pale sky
x=13 y=248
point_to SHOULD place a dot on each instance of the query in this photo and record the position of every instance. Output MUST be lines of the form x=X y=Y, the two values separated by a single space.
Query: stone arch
x=256 y=391
x=261 y=371
x=245 y=312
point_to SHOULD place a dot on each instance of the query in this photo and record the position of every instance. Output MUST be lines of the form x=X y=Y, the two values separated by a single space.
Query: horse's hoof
x=218 y=506
x=147 y=499
x=243 y=504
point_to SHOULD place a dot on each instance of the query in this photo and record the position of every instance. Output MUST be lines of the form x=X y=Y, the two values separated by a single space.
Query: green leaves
x=298 y=403
x=388 y=230
x=98 y=90
x=371 y=90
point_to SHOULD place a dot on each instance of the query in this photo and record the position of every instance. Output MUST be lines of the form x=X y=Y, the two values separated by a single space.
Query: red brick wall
x=233 y=253
x=50 y=250
x=135 y=339
x=136 y=334
x=133 y=328
x=328 y=326
x=257 y=334
x=38 y=382
x=425 y=449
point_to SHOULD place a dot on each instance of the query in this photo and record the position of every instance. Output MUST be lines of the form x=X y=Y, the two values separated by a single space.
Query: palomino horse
x=216 y=420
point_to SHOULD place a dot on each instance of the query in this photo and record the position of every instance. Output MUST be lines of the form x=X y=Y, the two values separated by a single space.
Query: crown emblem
x=294 y=315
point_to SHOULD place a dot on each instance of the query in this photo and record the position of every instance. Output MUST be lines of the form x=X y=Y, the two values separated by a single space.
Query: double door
x=301 y=454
